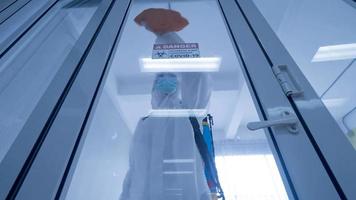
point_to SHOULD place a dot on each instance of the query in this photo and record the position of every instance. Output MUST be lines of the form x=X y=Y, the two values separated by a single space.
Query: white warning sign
x=178 y=50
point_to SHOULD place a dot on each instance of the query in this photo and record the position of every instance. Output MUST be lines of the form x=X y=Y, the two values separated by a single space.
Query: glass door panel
x=16 y=17
x=5 y=4
x=316 y=43
x=139 y=142
x=10 y=8
x=29 y=67
x=319 y=35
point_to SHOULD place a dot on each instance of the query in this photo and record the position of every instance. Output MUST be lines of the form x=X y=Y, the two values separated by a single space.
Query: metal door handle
x=287 y=119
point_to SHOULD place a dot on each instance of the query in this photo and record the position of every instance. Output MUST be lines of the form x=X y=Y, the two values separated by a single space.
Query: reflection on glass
x=28 y=68
x=323 y=45
x=211 y=64
x=178 y=112
x=13 y=22
x=142 y=141
x=335 y=52
x=250 y=176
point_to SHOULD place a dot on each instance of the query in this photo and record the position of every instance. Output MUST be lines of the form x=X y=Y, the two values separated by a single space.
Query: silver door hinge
x=288 y=84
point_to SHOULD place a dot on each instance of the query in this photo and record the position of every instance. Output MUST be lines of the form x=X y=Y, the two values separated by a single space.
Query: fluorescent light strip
x=207 y=64
x=335 y=52
x=177 y=112
x=334 y=102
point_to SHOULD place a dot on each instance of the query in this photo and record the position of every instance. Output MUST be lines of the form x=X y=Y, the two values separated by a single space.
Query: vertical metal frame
x=11 y=9
x=47 y=174
x=18 y=160
x=4 y=4
x=25 y=27
x=330 y=143
x=295 y=155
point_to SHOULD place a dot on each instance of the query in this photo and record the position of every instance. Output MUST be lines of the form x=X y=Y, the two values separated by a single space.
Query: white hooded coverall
x=164 y=162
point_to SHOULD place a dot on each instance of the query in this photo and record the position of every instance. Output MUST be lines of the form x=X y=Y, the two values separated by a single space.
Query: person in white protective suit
x=164 y=162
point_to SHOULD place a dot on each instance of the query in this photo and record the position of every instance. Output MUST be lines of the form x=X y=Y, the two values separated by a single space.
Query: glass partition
x=29 y=67
x=20 y=12
x=173 y=68
x=319 y=35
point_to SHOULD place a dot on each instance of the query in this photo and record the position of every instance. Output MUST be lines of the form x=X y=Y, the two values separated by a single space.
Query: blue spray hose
x=207 y=156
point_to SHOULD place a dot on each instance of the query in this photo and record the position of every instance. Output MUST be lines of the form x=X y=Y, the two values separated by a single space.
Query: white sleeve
x=136 y=158
x=168 y=38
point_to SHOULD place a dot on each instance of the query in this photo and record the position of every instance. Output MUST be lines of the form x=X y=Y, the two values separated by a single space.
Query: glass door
x=34 y=73
x=316 y=41
x=143 y=81
x=17 y=17
x=164 y=84
x=139 y=142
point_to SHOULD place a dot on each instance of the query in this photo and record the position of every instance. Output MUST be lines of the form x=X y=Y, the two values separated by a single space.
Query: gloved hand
x=161 y=21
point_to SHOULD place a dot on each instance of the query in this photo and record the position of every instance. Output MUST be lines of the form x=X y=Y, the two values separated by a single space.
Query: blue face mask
x=166 y=84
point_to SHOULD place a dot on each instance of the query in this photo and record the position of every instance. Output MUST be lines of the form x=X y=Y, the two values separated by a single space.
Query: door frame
x=302 y=171
x=321 y=128
x=21 y=9
x=18 y=160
